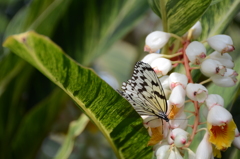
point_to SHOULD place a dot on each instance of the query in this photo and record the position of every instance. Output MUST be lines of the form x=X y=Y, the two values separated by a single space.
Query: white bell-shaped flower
x=169 y=139
x=176 y=79
x=196 y=52
x=178 y=131
x=179 y=121
x=211 y=67
x=150 y=57
x=151 y=121
x=214 y=100
x=221 y=43
x=156 y=40
x=204 y=111
x=228 y=80
x=218 y=115
x=225 y=59
x=161 y=66
x=236 y=141
x=191 y=154
x=196 y=30
x=177 y=97
x=163 y=152
x=204 y=150
x=196 y=92
x=164 y=82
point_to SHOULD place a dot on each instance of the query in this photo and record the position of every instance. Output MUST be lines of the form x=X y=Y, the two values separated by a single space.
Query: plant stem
x=174 y=62
x=202 y=129
x=177 y=37
x=194 y=68
x=173 y=55
x=206 y=81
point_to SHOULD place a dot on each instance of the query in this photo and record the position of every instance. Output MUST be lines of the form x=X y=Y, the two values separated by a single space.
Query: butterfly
x=145 y=93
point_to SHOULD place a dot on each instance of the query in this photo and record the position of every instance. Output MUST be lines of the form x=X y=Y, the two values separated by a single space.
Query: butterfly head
x=164 y=117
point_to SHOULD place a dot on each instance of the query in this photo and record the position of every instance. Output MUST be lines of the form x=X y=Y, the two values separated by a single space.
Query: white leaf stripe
x=145 y=93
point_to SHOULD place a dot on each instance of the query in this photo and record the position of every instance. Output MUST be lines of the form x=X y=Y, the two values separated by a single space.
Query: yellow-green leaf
x=113 y=115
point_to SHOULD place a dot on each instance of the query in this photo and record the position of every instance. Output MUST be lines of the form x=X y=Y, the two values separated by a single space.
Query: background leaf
x=75 y=129
x=97 y=29
x=34 y=126
x=179 y=15
x=218 y=16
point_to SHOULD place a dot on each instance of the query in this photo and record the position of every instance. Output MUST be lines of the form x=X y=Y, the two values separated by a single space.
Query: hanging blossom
x=170 y=139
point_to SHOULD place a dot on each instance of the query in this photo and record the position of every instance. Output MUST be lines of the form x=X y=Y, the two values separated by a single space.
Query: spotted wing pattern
x=144 y=92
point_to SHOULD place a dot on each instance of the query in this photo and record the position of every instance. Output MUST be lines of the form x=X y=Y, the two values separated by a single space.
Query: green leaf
x=118 y=62
x=218 y=16
x=179 y=15
x=113 y=115
x=34 y=125
x=41 y=15
x=76 y=127
x=97 y=26
x=12 y=109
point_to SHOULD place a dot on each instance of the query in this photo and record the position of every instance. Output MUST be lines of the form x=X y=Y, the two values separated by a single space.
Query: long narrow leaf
x=105 y=107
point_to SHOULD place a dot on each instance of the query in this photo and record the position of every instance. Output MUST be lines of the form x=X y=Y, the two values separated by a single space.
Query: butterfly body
x=145 y=93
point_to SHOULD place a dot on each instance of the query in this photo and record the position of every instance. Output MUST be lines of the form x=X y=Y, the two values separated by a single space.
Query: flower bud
x=228 y=80
x=161 y=66
x=211 y=67
x=169 y=139
x=196 y=92
x=178 y=131
x=225 y=59
x=196 y=30
x=236 y=141
x=156 y=40
x=150 y=57
x=204 y=149
x=214 y=100
x=177 y=97
x=176 y=79
x=221 y=43
x=180 y=140
x=164 y=81
x=196 y=52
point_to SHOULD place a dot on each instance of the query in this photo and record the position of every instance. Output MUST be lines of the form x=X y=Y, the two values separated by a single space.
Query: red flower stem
x=202 y=123
x=186 y=63
x=190 y=80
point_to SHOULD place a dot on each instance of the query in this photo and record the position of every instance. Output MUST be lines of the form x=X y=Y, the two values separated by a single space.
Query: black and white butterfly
x=145 y=93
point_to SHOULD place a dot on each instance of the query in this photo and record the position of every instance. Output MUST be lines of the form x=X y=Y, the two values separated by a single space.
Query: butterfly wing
x=145 y=92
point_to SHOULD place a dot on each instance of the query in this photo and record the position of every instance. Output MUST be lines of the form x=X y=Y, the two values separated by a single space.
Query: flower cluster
x=171 y=139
